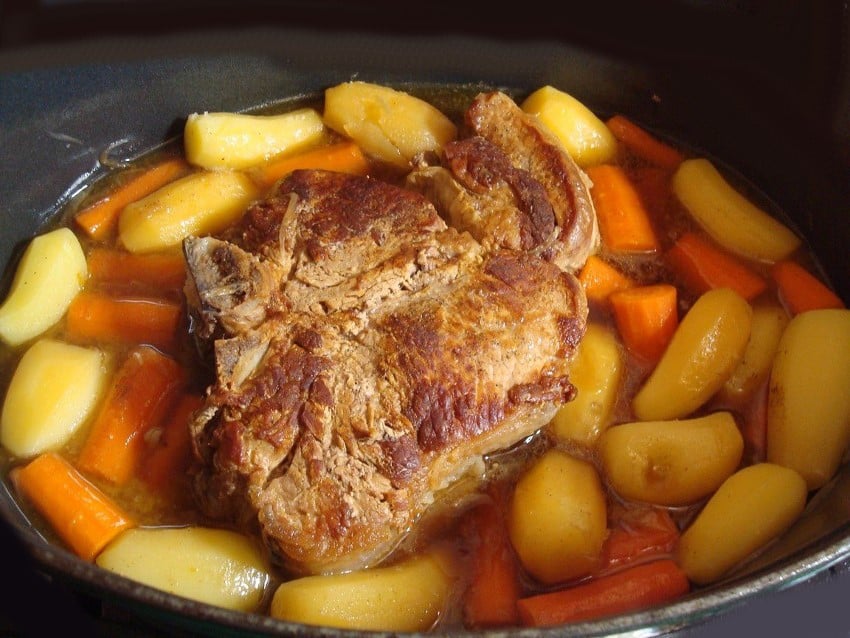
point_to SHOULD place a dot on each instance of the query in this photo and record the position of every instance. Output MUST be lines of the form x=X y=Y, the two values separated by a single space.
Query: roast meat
x=511 y=184
x=367 y=356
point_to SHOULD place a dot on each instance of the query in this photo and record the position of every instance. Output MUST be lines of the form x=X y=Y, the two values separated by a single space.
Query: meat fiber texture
x=368 y=355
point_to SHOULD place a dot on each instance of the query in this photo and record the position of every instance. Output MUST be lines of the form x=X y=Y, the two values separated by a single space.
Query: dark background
x=799 y=48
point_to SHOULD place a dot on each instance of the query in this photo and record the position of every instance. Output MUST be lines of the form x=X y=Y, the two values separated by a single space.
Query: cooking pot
x=765 y=90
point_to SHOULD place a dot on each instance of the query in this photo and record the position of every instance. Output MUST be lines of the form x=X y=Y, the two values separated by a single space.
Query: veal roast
x=368 y=354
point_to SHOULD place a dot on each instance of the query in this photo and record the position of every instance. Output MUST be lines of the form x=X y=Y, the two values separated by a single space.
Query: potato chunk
x=51 y=272
x=213 y=566
x=388 y=124
x=769 y=321
x=596 y=372
x=808 y=414
x=52 y=393
x=585 y=137
x=558 y=518
x=240 y=140
x=728 y=216
x=408 y=596
x=671 y=463
x=751 y=508
x=198 y=204
x=705 y=349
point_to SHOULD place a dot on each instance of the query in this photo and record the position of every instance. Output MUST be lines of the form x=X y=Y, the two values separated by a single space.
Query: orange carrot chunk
x=345 y=157
x=600 y=279
x=642 y=533
x=94 y=316
x=153 y=270
x=80 y=514
x=624 y=222
x=702 y=266
x=800 y=290
x=144 y=387
x=165 y=463
x=494 y=588
x=99 y=219
x=642 y=144
x=637 y=587
x=646 y=318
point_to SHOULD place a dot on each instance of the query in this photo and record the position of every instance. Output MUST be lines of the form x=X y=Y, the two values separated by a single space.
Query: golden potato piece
x=705 y=349
x=388 y=124
x=751 y=508
x=198 y=204
x=240 y=140
x=808 y=414
x=769 y=321
x=596 y=373
x=671 y=463
x=52 y=393
x=51 y=272
x=408 y=596
x=214 y=566
x=731 y=219
x=585 y=136
x=557 y=520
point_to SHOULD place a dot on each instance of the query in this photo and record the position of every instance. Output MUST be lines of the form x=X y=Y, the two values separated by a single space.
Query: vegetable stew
x=711 y=380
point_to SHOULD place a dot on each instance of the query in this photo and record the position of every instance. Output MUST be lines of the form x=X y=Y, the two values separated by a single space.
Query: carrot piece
x=600 y=279
x=99 y=219
x=96 y=316
x=154 y=270
x=144 y=387
x=637 y=587
x=81 y=515
x=624 y=222
x=637 y=535
x=164 y=463
x=754 y=426
x=494 y=588
x=642 y=144
x=646 y=317
x=702 y=266
x=345 y=157
x=800 y=290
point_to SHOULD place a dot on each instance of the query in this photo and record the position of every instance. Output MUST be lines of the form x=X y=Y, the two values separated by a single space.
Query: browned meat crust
x=511 y=185
x=367 y=357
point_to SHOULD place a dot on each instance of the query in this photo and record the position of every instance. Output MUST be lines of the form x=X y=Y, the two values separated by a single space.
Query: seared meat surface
x=511 y=185
x=367 y=357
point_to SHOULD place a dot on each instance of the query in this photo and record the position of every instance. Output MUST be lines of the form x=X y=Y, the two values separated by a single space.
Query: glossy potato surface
x=671 y=463
x=408 y=596
x=557 y=517
x=53 y=392
x=751 y=508
x=241 y=140
x=584 y=135
x=198 y=204
x=213 y=566
x=596 y=372
x=808 y=414
x=389 y=124
x=51 y=272
x=731 y=218
x=704 y=350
